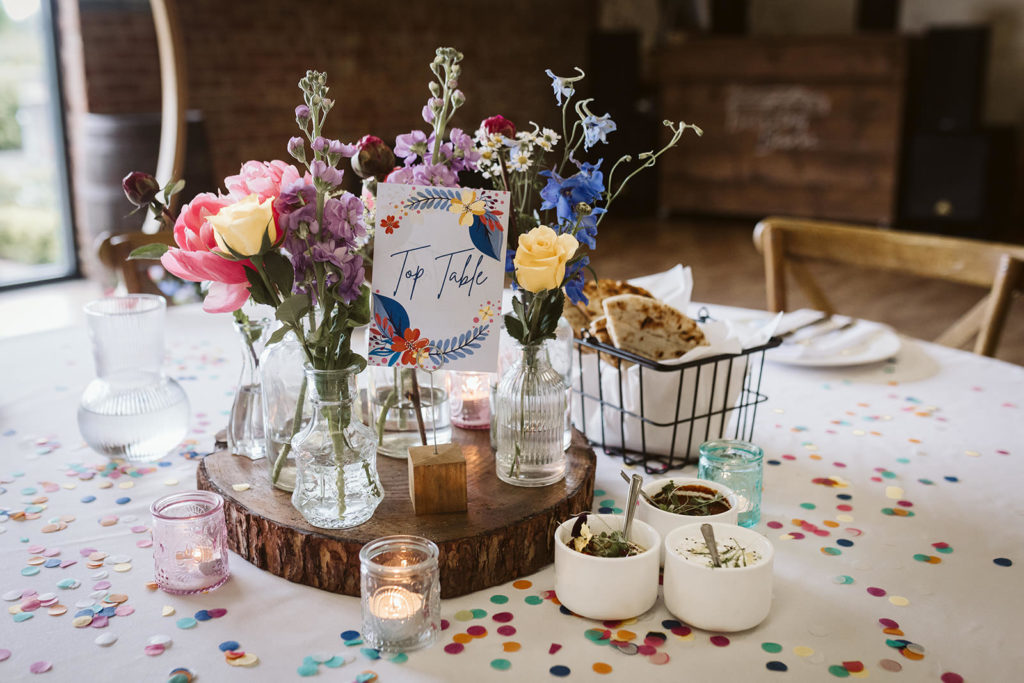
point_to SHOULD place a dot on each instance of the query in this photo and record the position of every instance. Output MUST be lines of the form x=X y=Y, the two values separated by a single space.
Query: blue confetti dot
x=229 y=645
x=186 y=623
x=107 y=612
x=605 y=510
x=370 y=652
x=51 y=563
x=202 y=615
x=1003 y=561
x=84 y=613
x=308 y=669
x=560 y=671
x=23 y=616
x=776 y=666
x=164 y=463
x=952 y=479
x=564 y=610
x=670 y=624
x=774 y=462
x=349 y=635
x=122 y=501
x=843 y=496
x=335 y=662
x=845 y=542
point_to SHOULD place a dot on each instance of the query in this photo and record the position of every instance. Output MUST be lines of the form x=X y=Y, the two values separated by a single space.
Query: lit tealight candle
x=395 y=603
x=401 y=593
x=471 y=407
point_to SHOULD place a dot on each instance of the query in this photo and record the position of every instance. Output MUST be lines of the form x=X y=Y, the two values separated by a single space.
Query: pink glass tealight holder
x=471 y=400
x=190 y=542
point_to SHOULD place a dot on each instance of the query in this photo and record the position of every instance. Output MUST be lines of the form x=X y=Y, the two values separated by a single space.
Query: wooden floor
x=728 y=270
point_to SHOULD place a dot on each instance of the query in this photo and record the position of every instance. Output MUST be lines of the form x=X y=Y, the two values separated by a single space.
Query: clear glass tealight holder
x=190 y=542
x=740 y=466
x=471 y=400
x=401 y=593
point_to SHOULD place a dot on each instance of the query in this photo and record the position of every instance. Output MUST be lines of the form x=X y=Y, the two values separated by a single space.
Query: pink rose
x=498 y=124
x=263 y=178
x=194 y=259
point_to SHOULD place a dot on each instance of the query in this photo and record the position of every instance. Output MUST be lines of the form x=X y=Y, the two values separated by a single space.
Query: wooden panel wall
x=800 y=126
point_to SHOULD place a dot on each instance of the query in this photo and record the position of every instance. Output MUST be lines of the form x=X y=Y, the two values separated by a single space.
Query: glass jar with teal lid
x=740 y=466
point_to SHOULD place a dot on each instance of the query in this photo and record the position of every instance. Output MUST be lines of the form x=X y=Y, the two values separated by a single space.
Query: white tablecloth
x=937 y=433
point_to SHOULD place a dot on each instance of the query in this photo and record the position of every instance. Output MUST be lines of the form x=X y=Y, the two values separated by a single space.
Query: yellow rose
x=541 y=257
x=240 y=227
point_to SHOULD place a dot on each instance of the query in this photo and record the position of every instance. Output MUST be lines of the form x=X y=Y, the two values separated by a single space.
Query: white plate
x=874 y=342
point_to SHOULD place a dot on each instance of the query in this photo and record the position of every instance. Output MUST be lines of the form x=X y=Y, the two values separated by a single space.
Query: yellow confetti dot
x=57 y=610
x=863 y=673
x=70 y=485
x=893 y=492
x=170 y=482
x=240 y=487
x=625 y=635
x=122 y=567
x=803 y=651
x=248 y=659
x=899 y=600
x=780 y=411
x=785 y=537
x=36 y=561
x=973 y=454
x=914 y=440
x=815 y=457
x=126 y=484
x=859 y=432
x=830 y=524
x=105 y=485
x=167 y=611
x=511 y=646
x=81 y=622
x=844 y=518
x=14 y=609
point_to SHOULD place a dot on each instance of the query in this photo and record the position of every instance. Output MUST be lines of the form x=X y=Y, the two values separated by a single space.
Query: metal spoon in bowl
x=709 y=540
x=634 y=489
x=642 y=492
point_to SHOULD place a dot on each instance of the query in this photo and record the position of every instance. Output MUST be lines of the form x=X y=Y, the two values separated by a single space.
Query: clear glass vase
x=132 y=410
x=393 y=409
x=285 y=409
x=336 y=482
x=245 y=427
x=530 y=407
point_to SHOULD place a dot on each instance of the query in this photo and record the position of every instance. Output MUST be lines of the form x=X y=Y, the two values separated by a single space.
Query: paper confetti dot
x=349 y=635
x=838 y=671
x=559 y=670
x=499 y=599
x=803 y=651
x=602 y=668
x=479 y=613
x=40 y=667
x=771 y=647
x=899 y=600
x=1002 y=562
x=168 y=611
x=875 y=591
x=659 y=658
x=228 y=645
x=522 y=584
x=454 y=648
x=105 y=639
x=186 y=623
x=464 y=615
x=4 y=654
x=248 y=659
x=477 y=631
x=533 y=600
x=950 y=677
x=506 y=630
x=307 y=669
x=240 y=487
x=719 y=641
x=154 y=650
x=890 y=665
x=501 y=664
x=511 y=646
x=776 y=666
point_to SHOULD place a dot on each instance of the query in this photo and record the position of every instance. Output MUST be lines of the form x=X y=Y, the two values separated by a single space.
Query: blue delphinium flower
x=574 y=281
x=510 y=267
x=596 y=129
x=561 y=86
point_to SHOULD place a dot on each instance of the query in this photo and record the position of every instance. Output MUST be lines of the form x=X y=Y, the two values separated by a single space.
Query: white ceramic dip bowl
x=667 y=522
x=728 y=598
x=607 y=587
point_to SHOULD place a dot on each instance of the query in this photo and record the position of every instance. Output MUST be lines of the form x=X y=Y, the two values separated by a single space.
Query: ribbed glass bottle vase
x=530 y=407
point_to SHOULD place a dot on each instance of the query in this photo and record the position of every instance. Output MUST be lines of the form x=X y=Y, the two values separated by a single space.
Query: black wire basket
x=713 y=398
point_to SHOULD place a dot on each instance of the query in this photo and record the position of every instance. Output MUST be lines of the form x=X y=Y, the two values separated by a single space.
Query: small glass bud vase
x=401 y=593
x=286 y=412
x=190 y=542
x=336 y=482
x=245 y=428
x=408 y=405
x=530 y=407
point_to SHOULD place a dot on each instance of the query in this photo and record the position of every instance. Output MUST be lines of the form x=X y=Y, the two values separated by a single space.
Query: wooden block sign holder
x=504 y=533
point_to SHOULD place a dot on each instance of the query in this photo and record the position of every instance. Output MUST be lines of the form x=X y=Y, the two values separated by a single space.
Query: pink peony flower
x=264 y=178
x=194 y=259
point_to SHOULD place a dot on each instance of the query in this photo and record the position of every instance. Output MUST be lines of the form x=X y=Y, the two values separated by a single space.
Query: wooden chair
x=113 y=252
x=998 y=267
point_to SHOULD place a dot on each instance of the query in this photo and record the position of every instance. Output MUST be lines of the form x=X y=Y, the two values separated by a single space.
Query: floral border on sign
x=477 y=212
x=395 y=341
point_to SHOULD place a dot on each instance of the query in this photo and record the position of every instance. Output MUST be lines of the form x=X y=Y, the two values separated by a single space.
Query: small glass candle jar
x=190 y=542
x=401 y=593
x=471 y=400
x=738 y=465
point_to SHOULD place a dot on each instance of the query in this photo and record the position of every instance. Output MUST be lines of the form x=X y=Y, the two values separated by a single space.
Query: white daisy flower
x=519 y=159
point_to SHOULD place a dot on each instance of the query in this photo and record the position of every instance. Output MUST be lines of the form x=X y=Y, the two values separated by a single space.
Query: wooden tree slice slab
x=507 y=532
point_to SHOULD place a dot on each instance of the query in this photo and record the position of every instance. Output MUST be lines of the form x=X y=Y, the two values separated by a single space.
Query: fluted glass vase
x=285 y=409
x=530 y=407
x=336 y=482
x=245 y=427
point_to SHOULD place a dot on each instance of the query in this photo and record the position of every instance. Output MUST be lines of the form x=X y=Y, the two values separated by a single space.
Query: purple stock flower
x=319 y=144
x=302 y=114
x=413 y=144
x=330 y=175
x=427 y=113
x=435 y=174
x=465 y=154
x=343 y=218
x=352 y=276
x=296 y=205
x=403 y=176
x=344 y=151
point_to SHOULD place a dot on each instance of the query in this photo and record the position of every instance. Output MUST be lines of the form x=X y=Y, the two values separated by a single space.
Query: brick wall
x=245 y=59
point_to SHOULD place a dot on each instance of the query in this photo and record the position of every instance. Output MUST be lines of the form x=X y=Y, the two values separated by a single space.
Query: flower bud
x=302 y=115
x=435 y=104
x=583 y=209
x=140 y=188
x=374 y=159
x=452 y=84
x=427 y=113
x=319 y=144
x=499 y=125
x=435 y=89
x=297 y=148
x=456 y=71
x=458 y=99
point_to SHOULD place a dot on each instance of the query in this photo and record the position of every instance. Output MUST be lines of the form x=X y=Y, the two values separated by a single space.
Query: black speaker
x=957 y=180
x=952 y=79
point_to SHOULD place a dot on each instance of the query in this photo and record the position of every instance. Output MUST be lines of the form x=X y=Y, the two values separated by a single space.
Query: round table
x=892 y=496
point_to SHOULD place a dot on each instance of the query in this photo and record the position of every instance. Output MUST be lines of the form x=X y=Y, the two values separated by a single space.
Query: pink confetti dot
x=101 y=585
x=4 y=654
x=659 y=658
x=217 y=612
x=950 y=677
x=506 y=630
x=839 y=464
x=844 y=508
x=645 y=649
x=774 y=525
x=124 y=610
x=444 y=624
x=875 y=591
x=476 y=631
x=681 y=631
x=555 y=647
x=719 y=641
x=888 y=623
x=502 y=617
x=796 y=535
x=40 y=667
x=454 y=648
x=154 y=650
x=905 y=503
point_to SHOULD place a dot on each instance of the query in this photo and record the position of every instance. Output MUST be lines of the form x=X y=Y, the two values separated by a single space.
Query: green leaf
x=278 y=334
x=174 y=188
x=515 y=327
x=148 y=251
x=280 y=271
x=359 y=310
x=257 y=290
x=293 y=308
